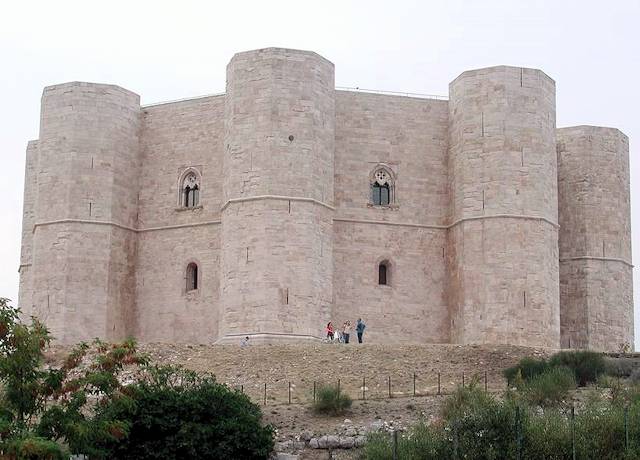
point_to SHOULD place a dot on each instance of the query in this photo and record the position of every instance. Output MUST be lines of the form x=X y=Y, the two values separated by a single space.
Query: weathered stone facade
x=498 y=228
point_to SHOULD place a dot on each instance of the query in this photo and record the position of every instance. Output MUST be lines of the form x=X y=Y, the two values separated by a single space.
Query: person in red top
x=329 y=330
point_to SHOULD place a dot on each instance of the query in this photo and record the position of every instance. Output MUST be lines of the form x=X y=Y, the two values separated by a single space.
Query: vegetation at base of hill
x=331 y=401
x=174 y=413
x=586 y=366
x=43 y=409
x=82 y=407
x=549 y=389
x=479 y=426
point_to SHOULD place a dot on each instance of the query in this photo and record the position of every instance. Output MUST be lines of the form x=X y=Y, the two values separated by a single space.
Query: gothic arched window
x=192 y=277
x=382 y=185
x=190 y=190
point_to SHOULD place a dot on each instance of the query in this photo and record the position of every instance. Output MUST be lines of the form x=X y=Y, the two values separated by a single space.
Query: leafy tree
x=174 y=413
x=42 y=408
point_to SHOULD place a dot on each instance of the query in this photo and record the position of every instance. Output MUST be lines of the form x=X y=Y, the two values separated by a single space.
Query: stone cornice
x=124 y=227
x=448 y=226
x=276 y=197
x=287 y=198
x=604 y=259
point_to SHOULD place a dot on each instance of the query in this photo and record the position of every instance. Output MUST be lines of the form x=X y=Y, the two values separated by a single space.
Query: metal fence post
x=485 y=382
x=364 y=383
x=389 y=386
x=289 y=392
x=463 y=380
x=573 y=433
x=414 y=384
x=626 y=428
x=455 y=441
x=338 y=387
x=518 y=437
x=395 y=444
x=438 y=382
x=265 y=393
x=314 y=391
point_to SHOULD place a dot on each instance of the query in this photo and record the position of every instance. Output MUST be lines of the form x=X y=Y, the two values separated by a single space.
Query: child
x=329 y=331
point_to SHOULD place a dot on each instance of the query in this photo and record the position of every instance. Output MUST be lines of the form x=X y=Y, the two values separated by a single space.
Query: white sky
x=169 y=50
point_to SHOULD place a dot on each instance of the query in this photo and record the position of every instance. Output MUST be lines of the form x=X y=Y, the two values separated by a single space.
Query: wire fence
x=372 y=387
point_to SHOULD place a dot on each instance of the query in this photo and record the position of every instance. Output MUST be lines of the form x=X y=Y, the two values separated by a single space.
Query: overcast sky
x=171 y=50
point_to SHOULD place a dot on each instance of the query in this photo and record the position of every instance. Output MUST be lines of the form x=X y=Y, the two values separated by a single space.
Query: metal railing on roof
x=394 y=93
x=342 y=88
x=184 y=99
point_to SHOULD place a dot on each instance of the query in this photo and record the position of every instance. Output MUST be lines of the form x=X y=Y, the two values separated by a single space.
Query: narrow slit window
x=382 y=274
x=192 y=277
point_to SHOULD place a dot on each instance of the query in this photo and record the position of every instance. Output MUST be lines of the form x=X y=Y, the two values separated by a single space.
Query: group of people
x=342 y=335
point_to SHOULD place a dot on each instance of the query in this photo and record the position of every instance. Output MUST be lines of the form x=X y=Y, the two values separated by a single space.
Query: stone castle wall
x=286 y=236
x=177 y=136
x=409 y=135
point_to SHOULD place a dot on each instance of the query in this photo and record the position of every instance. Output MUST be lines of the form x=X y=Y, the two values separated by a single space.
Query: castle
x=284 y=203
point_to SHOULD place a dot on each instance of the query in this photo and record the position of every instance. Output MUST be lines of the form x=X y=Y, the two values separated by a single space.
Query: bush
x=487 y=431
x=172 y=413
x=587 y=366
x=620 y=367
x=330 y=400
x=464 y=400
x=34 y=448
x=547 y=436
x=420 y=442
x=550 y=388
x=526 y=369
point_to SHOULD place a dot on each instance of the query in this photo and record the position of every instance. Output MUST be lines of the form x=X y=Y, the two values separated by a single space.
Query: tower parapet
x=85 y=209
x=276 y=252
x=596 y=283
x=503 y=261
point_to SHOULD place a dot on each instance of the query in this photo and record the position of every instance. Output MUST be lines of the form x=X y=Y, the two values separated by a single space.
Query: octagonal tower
x=503 y=258
x=596 y=275
x=276 y=254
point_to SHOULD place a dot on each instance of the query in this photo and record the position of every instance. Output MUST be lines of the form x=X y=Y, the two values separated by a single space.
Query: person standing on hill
x=360 y=329
x=329 y=331
x=346 y=331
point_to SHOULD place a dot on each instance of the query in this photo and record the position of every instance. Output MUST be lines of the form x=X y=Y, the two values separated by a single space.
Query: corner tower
x=503 y=239
x=276 y=254
x=596 y=282
x=84 y=183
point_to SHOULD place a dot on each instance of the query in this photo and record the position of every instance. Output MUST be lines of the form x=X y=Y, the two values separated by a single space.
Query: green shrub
x=34 y=448
x=547 y=436
x=488 y=431
x=464 y=400
x=330 y=400
x=421 y=442
x=172 y=413
x=620 y=367
x=586 y=365
x=550 y=388
x=600 y=433
x=527 y=368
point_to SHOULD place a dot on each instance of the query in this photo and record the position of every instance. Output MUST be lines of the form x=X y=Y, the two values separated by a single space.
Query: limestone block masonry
x=286 y=203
